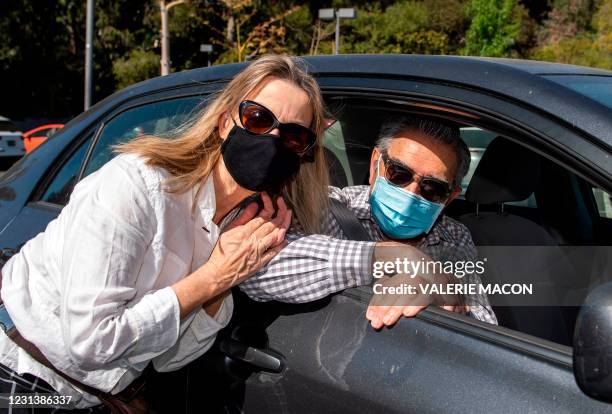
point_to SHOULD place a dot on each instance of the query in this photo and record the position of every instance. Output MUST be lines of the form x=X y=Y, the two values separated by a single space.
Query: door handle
x=265 y=360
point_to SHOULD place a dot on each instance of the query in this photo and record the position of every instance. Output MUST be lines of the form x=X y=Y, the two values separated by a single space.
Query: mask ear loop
x=378 y=165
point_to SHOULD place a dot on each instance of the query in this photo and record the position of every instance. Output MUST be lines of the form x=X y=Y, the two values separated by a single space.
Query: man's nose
x=413 y=187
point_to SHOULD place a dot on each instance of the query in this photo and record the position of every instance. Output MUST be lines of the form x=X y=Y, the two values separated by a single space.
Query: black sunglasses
x=258 y=119
x=430 y=188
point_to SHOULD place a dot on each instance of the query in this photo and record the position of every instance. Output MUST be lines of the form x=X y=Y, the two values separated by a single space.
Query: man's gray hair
x=435 y=130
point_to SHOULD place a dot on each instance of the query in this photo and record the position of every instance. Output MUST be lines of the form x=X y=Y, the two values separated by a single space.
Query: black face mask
x=258 y=162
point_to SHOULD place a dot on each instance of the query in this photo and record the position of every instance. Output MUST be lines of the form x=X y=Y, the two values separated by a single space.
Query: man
x=416 y=170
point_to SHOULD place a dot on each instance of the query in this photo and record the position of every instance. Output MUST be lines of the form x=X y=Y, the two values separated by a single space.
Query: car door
x=324 y=356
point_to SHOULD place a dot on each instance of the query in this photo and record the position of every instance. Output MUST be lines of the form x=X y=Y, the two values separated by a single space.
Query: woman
x=136 y=269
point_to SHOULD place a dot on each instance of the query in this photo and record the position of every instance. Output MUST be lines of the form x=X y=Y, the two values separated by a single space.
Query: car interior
x=512 y=196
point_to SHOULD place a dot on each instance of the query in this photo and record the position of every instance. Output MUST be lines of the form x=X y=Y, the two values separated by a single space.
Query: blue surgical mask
x=401 y=214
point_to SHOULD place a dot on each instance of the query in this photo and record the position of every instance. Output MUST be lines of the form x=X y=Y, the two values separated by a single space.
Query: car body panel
x=341 y=364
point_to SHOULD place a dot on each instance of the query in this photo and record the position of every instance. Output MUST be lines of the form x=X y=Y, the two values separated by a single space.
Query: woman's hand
x=250 y=241
x=248 y=244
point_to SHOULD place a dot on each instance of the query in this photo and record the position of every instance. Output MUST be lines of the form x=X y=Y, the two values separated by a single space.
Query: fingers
x=270 y=253
x=380 y=316
x=272 y=239
x=283 y=219
x=285 y=226
x=462 y=309
x=245 y=216
x=268 y=209
x=411 y=311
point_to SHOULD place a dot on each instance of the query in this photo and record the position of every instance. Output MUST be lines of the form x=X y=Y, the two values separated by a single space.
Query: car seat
x=510 y=172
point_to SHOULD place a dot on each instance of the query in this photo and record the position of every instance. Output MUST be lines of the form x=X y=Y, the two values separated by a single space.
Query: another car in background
x=11 y=144
x=36 y=136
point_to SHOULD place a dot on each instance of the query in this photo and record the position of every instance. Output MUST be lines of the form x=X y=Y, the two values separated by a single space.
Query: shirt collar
x=205 y=202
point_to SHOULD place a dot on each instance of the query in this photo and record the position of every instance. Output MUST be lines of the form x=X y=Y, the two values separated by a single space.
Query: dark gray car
x=324 y=356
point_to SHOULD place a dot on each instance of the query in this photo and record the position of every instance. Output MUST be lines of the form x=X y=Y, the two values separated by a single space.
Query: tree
x=493 y=29
x=566 y=19
x=403 y=27
x=137 y=66
x=590 y=44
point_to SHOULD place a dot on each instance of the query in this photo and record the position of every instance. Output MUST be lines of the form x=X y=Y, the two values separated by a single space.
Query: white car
x=11 y=143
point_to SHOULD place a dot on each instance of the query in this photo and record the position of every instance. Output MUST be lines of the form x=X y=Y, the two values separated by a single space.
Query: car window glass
x=477 y=140
x=336 y=156
x=604 y=202
x=157 y=118
x=60 y=188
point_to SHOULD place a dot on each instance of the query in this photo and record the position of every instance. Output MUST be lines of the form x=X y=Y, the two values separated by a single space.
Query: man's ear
x=373 y=162
x=224 y=124
x=453 y=195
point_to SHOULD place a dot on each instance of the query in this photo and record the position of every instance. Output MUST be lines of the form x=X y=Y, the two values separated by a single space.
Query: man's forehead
x=423 y=154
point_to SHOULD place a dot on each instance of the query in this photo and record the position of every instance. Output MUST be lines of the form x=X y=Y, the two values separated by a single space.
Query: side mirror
x=593 y=344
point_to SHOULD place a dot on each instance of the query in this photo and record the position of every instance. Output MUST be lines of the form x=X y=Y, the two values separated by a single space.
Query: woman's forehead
x=285 y=99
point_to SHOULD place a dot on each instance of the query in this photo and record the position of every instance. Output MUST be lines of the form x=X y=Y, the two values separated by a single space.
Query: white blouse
x=93 y=290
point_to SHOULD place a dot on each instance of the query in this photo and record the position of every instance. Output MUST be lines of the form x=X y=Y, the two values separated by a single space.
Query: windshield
x=7 y=126
x=598 y=88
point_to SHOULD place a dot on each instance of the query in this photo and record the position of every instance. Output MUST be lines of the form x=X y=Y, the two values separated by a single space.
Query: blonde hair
x=191 y=156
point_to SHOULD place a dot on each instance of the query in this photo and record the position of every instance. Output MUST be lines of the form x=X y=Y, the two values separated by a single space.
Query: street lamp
x=165 y=37
x=89 y=28
x=206 y=48
x=330 y=14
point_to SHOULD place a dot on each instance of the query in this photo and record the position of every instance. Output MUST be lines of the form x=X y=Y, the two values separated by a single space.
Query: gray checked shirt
x=314 y=266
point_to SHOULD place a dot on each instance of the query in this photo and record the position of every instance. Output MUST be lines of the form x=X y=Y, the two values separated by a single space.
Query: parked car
x=36 y=136
x=11 y=144
x=324 y=356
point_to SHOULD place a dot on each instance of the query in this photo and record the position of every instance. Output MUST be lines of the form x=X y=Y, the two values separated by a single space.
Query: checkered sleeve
x=478 y=303
x=311 y=267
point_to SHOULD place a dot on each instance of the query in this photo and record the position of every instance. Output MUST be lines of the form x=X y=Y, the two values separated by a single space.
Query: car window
x=477 y=140
x=556 y=214
x=159 y=118
x=60 y=188
x=336 y=156
x=604 y=202
x=349 y=142
x=44 y=132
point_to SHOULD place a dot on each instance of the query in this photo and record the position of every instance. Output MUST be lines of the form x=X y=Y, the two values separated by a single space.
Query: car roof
x=520 y=80
x=537 y=67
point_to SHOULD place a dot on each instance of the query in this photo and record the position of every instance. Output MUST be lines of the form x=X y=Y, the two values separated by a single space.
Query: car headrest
x=506 y=172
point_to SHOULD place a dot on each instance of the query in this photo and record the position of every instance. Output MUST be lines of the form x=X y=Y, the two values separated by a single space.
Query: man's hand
x=387 y=306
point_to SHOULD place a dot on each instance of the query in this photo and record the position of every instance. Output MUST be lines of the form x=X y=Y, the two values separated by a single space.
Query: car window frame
x=89 y=134
x=98 y=125
x=524 y=343
x=124 y=109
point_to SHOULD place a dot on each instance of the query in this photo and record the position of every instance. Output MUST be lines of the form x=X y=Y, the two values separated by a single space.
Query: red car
x=34 y=137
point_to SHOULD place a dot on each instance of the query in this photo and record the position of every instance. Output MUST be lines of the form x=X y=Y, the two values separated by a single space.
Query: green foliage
x=566 y=19
x=42 y=41
x=402 y=28
x=493 y=28
x=587 y=48
x=139 y=65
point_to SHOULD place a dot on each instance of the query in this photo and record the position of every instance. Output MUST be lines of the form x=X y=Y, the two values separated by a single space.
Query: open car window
x=538 y=222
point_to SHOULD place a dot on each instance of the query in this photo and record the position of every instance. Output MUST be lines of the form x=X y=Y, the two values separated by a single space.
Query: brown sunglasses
x=257 y=119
